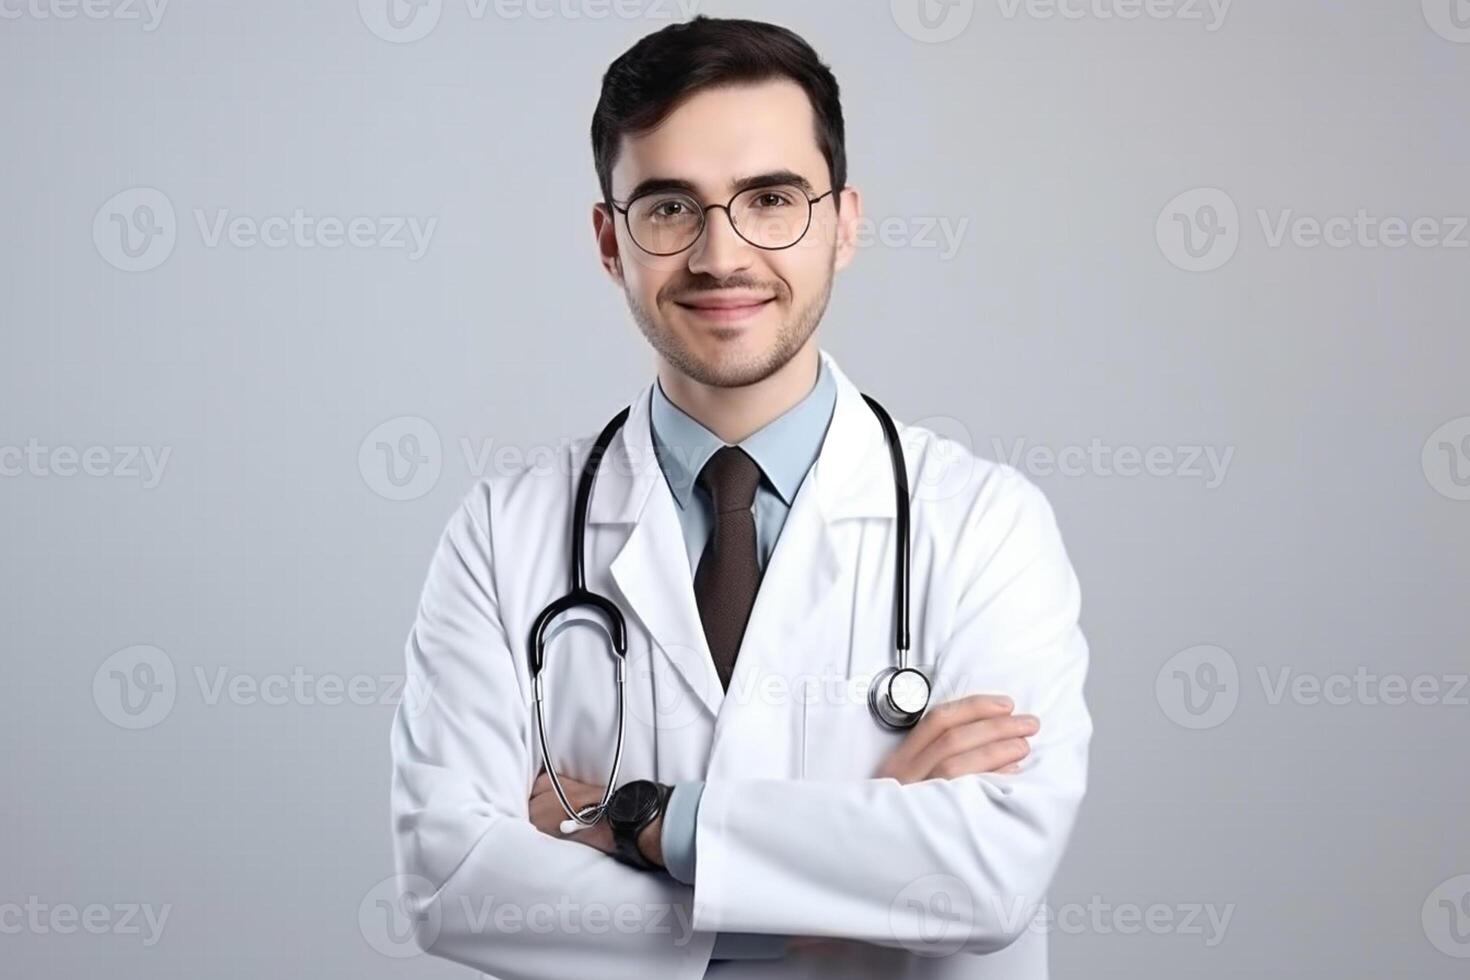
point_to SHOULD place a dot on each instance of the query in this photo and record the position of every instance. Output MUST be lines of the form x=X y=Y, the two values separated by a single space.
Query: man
x=744 y=520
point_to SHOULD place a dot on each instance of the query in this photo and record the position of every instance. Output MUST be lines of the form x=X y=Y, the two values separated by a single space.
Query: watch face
x=633 y=800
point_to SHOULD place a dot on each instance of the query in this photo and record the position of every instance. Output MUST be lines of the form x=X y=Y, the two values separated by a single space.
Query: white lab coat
x=937 y=879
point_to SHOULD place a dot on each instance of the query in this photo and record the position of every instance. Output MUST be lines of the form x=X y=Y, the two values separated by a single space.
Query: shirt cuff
x=677 y=836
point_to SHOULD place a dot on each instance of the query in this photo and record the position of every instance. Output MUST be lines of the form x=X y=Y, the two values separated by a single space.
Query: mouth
x=726 y=309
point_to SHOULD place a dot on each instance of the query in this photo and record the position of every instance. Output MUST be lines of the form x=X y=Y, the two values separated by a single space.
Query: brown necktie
x=728 y=575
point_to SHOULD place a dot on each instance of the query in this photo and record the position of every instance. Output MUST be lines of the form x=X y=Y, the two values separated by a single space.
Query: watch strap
x=625 y=835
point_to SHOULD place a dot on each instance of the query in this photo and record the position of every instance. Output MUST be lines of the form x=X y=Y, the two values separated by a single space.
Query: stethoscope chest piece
x=899 y=696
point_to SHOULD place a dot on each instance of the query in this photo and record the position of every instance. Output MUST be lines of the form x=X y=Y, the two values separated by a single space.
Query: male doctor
x=743 y=519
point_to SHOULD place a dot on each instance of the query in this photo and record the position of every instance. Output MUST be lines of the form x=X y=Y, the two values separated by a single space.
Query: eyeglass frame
x=704 y=210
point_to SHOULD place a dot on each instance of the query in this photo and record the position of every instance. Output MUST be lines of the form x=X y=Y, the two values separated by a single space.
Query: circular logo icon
x=1198 y=687
x=397 y=918
x=401 y=459
x=1446 y=917
x=932 y=21
x=659 y=694
x=135 y=230
x=400 y=21
x=1199 y=230
x=949 y=462
x=135 y=687
x=1446 y=459
x=1450 y=19
x=933 y=915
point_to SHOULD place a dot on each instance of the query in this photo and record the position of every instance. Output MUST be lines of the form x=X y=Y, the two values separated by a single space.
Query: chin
x=732 y=364
x=720 y=355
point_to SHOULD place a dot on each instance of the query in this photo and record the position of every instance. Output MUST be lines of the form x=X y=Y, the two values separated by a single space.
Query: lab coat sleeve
x=853 y=859
x=677 y=841
x=500 y=896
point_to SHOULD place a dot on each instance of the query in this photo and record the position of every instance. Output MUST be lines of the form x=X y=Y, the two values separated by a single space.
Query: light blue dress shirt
x=785 y=449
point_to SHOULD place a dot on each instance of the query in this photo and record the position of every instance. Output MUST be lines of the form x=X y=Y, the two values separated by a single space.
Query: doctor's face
x=725 y=311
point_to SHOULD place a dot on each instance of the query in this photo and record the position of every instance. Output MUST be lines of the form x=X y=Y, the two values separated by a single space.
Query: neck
x=734 y=413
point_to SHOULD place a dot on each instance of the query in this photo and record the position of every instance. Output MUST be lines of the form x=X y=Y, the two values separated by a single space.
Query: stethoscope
x=897 y=697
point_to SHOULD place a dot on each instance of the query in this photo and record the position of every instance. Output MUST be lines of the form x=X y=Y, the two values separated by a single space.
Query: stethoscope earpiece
x=585 y=819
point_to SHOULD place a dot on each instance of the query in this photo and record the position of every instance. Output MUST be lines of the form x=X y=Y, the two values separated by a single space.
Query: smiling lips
x=727 y=307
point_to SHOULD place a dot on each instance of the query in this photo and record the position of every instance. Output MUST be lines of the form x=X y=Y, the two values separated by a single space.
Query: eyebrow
x=653 y=185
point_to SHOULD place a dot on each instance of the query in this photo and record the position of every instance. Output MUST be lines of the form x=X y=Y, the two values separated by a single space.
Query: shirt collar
x=784 y=448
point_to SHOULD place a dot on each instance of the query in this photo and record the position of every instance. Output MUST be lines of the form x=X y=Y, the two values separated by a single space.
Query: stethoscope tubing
x=579 y=596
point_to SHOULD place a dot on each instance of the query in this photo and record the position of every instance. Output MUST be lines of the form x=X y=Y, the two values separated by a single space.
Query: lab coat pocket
x=842 y=740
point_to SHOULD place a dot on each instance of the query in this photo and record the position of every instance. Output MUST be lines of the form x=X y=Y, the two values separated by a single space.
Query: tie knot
x=730 y=477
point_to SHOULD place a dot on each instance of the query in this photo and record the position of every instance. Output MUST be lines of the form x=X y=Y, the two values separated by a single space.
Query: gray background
x=1335 y=543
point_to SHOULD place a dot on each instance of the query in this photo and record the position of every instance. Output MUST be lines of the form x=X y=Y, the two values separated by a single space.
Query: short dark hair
x=649 y=80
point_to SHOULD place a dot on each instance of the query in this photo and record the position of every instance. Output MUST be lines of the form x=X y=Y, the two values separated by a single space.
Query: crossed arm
x=968 y=736
x=964 y=737
x=466 y=817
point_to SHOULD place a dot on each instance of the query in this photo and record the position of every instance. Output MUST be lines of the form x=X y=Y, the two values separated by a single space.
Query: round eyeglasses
x=774 y=216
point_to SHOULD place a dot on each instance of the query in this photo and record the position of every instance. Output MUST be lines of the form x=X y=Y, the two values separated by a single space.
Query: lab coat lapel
x=784 y=634
x=852 y=477
x=651 y=568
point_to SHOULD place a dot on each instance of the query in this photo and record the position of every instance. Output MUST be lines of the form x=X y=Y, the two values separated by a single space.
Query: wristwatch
x=633 y=807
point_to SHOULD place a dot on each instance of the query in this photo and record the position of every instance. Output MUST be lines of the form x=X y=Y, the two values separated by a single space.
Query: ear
x=848 y=220
x=605 y=231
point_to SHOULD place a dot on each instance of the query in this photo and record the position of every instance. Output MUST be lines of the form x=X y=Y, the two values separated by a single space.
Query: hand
x=961 y=738
x=547 y=815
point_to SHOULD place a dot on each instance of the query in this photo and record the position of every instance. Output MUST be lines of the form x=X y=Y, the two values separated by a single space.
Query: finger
x=902 y=762
x=987 y=759
x=544 y=819
x=972 y=735
x=942 y=717
x=572 y=787
x=579 y=795
x=546 y=814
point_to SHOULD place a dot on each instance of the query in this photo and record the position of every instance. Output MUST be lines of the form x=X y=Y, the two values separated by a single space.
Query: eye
x=668 y=209
x=767 y=200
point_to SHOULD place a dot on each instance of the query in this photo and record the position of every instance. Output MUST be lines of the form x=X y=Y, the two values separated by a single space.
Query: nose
x=719 y=252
